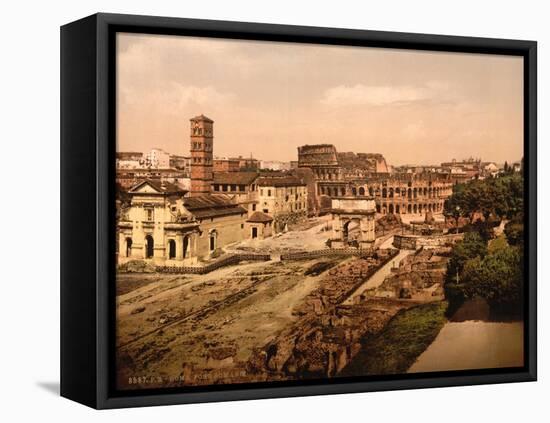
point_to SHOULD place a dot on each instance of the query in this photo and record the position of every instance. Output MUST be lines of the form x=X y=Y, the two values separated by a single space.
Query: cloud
x=380 y=95
x=174 y=96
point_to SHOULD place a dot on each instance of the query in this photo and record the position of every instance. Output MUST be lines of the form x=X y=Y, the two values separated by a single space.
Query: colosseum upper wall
x=365 y=174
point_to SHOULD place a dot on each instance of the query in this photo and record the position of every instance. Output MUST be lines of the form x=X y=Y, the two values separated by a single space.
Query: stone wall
x=413 y=242
x=227 y=260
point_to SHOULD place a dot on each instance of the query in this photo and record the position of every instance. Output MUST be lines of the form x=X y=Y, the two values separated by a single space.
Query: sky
x=268 y=98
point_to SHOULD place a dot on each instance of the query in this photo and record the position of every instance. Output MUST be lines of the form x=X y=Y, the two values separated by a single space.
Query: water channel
x=470 y=340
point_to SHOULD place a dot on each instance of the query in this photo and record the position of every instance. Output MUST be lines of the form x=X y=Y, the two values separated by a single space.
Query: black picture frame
x=87 y=206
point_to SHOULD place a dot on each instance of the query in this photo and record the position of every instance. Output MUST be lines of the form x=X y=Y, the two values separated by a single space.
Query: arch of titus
x=353 y=210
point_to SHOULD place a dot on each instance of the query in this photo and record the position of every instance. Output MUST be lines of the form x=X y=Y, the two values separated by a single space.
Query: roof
x=161 y=187
x=259 y=217
x=239 y=178
x=202 y=118
x=205 y=206
x=281 y=181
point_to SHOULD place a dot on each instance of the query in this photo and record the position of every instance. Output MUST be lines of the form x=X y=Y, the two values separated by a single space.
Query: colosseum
x=367 y=175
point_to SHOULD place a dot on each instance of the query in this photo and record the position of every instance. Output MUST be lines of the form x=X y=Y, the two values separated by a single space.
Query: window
x=253 y=207
x=241 y=188
x=150 y=214
x=242 y=225
x=269 y=193
x=265 y=211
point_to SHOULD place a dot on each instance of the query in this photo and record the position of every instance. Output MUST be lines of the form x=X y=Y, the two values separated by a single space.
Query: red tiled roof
x=238 y=178
x=203 y=118
x=206 y=206
x=259 y=217
x=283 y=181
x=161 y=187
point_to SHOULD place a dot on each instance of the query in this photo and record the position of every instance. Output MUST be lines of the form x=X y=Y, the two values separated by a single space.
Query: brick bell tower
x=202 y=145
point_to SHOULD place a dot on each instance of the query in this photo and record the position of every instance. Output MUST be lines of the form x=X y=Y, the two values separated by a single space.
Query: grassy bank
x=397 y=346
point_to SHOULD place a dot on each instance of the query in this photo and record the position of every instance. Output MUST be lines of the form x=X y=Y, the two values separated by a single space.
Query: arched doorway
x=390 y=208
x=128 y=247
x=350 y=230
x=171 y=249
x=361 y=191
x=149 y=246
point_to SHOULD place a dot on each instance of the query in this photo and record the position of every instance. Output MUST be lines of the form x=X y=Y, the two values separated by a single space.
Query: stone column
x=179 y=247
x=336 y=227
x=121 y=245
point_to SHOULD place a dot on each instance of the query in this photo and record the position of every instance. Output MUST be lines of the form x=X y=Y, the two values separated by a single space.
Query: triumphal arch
x=353 y=222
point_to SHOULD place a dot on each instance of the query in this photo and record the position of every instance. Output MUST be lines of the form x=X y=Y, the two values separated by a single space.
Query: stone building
x=284 y=198
x=353 y=222
x=364 y=174
x=259 y=225
x=362 y=164
x=181 y=163
x=241 y=187
x=157 y=158
x=405 y=193
x=226 y=164
x=164 y=226
x=322 y=159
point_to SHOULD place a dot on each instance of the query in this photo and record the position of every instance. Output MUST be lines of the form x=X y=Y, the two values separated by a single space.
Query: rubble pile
x=328 y=334
x=420 y=276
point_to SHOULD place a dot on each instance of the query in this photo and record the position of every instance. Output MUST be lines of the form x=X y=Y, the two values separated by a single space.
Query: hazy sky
x=268 y=98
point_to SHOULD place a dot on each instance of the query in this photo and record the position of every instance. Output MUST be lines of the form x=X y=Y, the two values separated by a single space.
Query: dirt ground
x=184 y=330
x=170 y=327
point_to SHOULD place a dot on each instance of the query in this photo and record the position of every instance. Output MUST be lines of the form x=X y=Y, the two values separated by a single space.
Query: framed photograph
x=257 y=211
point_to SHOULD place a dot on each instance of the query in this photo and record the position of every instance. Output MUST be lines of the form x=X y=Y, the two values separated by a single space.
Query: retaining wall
x=413 y=242
x=224 y=261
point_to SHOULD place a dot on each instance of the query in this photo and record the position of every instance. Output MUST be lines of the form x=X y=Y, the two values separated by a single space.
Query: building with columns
x=353 y=222
x=365 y=174
x=167 y=226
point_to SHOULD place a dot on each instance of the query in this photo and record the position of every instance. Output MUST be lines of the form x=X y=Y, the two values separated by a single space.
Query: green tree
x=470 y=247
x=497 y=277
x=514 y=232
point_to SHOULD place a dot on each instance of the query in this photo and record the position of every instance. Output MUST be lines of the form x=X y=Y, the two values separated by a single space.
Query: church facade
x=166 y=225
